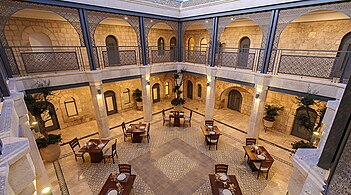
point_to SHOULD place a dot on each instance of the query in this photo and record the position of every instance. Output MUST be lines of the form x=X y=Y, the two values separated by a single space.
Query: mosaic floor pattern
x=176 y=161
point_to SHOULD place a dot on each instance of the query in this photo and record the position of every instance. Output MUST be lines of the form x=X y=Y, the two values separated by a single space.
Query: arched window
x=191 y=44
x=126 y=96
x=39 y=39
x=71 y=107
x=203 y=45
x=167 y=88
x=199 y=90
x=244 y=48
x=112 y=50
x=173 y=47
x=244 y=45
x=190 y=89
x=161 y=46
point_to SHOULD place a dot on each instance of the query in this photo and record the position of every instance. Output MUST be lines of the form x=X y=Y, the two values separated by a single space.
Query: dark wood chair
x=263 y=166
x=221 y=168
x=212 y=140
x=165 y=118
x=125 y=168
x=147 y=133
x=209 y=122
x=75 y=146
x=187 y=119
x=111 y=152
x=124 y=129
x=249 y=142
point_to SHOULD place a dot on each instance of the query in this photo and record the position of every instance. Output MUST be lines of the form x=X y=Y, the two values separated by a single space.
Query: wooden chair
x=209 y=122
x=147 y=133
x=212 y=140
x=263 y=166
x=125 y=168
x=249 y=142
x=221 y=168
x=75 y=146
x=187 y=119
x=111 y=152
x=124 y=129
x=165 y=118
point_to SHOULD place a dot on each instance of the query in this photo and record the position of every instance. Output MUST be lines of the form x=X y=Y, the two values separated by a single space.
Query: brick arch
x=247 y=98
x=31 y=29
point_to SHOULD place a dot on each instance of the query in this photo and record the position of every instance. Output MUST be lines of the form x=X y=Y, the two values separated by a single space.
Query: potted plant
x=178 y=101
x=271 y=112
x=301 y=144
x=38 y=105
x=137 y=94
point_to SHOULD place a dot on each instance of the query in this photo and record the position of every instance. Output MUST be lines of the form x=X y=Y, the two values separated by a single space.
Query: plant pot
x=51 y=153
x=178 y=107
x=268 y=124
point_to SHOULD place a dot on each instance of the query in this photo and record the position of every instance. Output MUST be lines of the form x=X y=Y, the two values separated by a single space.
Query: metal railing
x=43 y=59
x=196 y=55
x=327 y=64
x=110 y=56
x=239 y=58
x=162 y=54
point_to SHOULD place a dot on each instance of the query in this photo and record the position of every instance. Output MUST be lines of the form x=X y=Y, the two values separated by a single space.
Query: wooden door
x=234 y=100
x=110 y=101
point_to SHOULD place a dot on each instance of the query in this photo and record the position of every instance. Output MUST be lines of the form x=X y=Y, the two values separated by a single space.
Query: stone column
x=42 y=180
x=99 y=108
x=210 y=92
x=146 y=92
x=332 y=107
x=258 y=104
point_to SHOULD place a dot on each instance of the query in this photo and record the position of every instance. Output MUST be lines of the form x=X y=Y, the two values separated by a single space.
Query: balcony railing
x=197 y=55
x=325 y=64
x=163 y=54
x=108 y=56
x=239 y=58
x=43 y=59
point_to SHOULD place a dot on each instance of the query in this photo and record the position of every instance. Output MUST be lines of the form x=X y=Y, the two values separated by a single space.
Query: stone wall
x=83 y=102
x=121 y=92
x=285 y=120
x=161 y=80
x=196 y=81
x=322 y=35
x=222 y=91
x=61 y=33
x=125 y=35
x=231 y=36
x=197 y=35
x=155 y=34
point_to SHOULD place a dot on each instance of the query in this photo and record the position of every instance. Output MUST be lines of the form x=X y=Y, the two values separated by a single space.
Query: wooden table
x=110 y=183
x=136 y=131
x=252 y=156
x=206 y=130
x=95 y=153
x=216 y=186
x=176 y=115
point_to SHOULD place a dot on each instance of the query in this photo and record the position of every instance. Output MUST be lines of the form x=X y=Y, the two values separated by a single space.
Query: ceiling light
x=126 y=18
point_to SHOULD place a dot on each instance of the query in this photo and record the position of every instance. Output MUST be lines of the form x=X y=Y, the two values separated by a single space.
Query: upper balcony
x=315 y=44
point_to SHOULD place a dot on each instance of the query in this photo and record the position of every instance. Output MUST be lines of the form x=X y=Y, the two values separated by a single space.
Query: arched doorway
x=191 y=44
x=342 y=66
x=203 y=46
x=298 y=129
x=110 y=101
x=173 y=49
x=234 y=100
x=156 y=93
x=243 y=56
x=51 y=118
x=190 y=90
x=199 y=90
x=161 y=46
x=112 y=50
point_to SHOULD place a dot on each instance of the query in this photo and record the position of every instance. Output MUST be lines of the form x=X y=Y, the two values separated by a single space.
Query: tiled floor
x=176 y=161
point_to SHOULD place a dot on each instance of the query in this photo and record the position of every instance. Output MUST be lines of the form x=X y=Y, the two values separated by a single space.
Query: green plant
x=137 y=94
x=271 y=112
x=52 y=139
x=38 y=105
x=178 y=79
x=301 y=144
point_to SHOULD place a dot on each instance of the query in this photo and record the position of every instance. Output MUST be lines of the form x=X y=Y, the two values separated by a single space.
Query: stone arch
x=246 y=103
x=31 y=29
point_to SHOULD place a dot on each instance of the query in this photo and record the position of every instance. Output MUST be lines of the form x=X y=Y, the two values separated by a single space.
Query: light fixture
x=99 y=91
x=126 y=18
x=231 y=19
x=46 y=190
x=34 y=123
x=316 y=133
x=206 y=21
x=148 y=82
x=208 y=83
x=151 y=21
x=257 y=95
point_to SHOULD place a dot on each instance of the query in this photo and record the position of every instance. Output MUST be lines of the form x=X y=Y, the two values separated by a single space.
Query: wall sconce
x=208 y=83
x=257 y=95
x=99 y=91
x=148 y=82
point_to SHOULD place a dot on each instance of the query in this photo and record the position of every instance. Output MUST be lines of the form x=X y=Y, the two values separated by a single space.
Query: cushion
x=211 y=140
x=258 y=164
x=166 y=118
x=187 y=118
x=107 y=151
